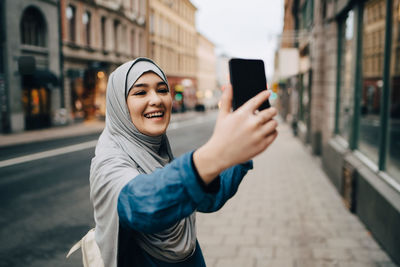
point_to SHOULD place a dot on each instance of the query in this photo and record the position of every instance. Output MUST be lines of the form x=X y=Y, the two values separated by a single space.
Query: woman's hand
x=238 y=136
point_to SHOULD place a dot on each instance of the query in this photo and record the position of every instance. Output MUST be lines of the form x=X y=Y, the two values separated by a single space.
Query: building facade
x=98 y=36
x=172 y=44
x=208 y=92
x=30 y=92
x=349 y=103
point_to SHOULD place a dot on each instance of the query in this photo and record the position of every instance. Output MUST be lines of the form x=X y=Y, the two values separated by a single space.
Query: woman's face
x=149 y=102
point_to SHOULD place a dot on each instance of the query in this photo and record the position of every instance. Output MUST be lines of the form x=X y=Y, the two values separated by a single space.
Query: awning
x=41 y=78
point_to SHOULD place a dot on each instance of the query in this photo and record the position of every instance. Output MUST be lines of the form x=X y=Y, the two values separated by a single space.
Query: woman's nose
x=155 y=99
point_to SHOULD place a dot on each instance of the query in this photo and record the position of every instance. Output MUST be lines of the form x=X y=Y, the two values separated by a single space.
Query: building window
x=103 y=32
x=86 y=27
x=372 y=71
x=133 y=39
x=33 y=28
x=393 y=162
x=140 y=46
x=346 y=86
x=116 y=35
x=151 y=22
x=71 y=18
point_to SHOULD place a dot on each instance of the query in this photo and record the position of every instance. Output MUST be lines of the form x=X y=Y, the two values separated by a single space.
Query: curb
x=74 y=130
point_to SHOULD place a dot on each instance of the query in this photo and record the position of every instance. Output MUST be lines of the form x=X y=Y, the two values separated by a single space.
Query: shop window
x=71 y=17
x=36 y=105
x=33 y=28
x=346 y=90
x=372 y=83
x=393 y=163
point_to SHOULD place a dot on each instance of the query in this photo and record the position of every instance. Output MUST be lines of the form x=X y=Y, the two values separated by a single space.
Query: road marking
x=187 y=123
x=86 y=145
x=48 y=153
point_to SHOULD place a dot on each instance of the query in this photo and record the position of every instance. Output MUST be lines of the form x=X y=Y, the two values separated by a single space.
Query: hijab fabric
x=122 y=153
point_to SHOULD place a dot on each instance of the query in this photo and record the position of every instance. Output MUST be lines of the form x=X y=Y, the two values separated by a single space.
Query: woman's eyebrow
x=161 y=83
x=140 y=85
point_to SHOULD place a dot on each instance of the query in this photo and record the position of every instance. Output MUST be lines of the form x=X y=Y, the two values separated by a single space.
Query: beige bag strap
x=91 y=256
x=74 y=248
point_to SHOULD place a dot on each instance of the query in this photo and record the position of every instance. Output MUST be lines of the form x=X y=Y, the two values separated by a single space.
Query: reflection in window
x=347 y=82
x=393 y=165
x=33 y=28
x=373 y=31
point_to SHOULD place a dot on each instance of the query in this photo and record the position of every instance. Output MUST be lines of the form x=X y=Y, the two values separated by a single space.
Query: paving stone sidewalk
x=287 y=213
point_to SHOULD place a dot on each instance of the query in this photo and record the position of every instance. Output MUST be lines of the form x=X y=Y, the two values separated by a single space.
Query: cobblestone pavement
x=287 y=213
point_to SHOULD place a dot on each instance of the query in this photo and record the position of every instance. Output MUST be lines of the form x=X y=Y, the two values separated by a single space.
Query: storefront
x=36 y=98
x=88 y=92
x=363 y=158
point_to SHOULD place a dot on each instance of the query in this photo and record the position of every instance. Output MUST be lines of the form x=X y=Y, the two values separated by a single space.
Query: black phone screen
x=248 y=79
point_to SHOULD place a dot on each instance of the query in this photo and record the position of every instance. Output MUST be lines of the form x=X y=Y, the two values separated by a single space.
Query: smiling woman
x=144 y=199
x=149 y=102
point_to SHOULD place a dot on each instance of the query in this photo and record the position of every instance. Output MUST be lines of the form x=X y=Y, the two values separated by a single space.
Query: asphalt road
x=44 y=203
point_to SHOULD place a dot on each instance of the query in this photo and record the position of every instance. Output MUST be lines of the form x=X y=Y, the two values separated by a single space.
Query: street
x=281 y=216
x=45 y=206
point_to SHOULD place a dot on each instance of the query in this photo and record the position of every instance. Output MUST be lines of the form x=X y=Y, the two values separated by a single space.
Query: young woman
x=145 y=200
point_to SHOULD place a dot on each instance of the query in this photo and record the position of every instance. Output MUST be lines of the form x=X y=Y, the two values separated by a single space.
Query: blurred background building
x=98 y=36
x=173 y=44
x=208 y=92
x=56 y=56
x=30 y=64
x=344 y=101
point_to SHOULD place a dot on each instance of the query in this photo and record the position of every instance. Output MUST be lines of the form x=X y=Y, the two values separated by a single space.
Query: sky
x=247 y=29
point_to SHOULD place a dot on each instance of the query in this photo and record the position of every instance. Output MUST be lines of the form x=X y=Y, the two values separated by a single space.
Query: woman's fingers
x=254 y=103
x=268 y=128
x=266 y=115
x=226 y=100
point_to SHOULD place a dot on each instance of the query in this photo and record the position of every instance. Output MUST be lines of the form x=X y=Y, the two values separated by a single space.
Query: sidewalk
x=287 y=213
x=77 y=129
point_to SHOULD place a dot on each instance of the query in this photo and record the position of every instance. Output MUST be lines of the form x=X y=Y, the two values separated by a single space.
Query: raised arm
x=238 y=136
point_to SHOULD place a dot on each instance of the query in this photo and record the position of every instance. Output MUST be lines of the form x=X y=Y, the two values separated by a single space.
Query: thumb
x=226 y=100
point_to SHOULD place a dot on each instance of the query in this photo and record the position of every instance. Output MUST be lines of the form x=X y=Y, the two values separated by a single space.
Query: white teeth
x=155 y=114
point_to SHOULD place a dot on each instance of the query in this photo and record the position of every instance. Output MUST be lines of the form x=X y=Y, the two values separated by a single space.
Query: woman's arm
x=230 y=180
x=238 y=136
x=152 y=202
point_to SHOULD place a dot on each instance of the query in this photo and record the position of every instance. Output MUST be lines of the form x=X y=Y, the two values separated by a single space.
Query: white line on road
x=186 y=123
x=48 y=153
x=86 y=145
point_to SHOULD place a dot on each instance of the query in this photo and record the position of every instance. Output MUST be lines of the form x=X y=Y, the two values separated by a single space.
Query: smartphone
x=248 y=79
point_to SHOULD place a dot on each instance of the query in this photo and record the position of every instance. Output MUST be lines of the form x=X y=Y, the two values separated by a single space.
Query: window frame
x=384 y=119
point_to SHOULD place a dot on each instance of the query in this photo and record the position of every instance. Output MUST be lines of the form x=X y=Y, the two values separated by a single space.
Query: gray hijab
x=122 y=153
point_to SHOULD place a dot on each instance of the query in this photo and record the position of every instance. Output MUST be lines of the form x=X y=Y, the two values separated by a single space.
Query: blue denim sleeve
x=152 y=202
x=229 y=183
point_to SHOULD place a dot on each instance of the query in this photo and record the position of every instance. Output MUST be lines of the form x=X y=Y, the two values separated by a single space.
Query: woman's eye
x=163 y=90
x=139 y=93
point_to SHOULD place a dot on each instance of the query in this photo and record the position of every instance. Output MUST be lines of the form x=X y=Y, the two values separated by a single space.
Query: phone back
x=248 y=79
